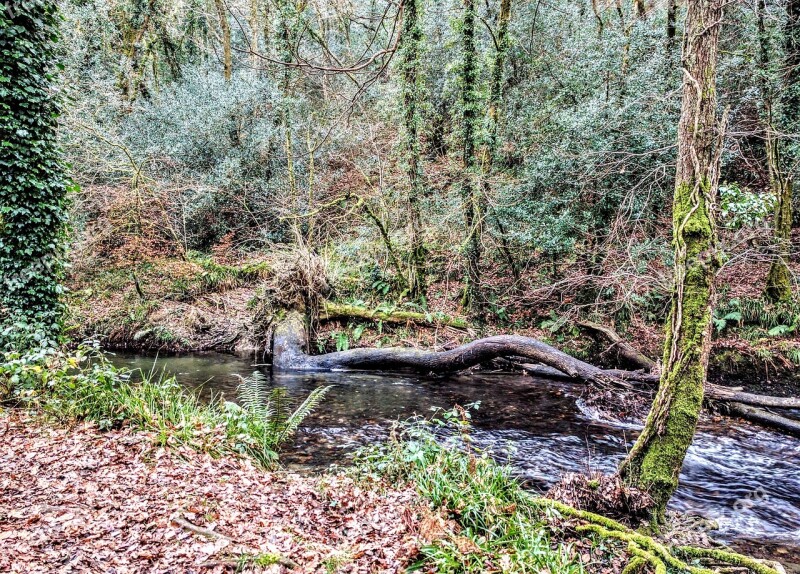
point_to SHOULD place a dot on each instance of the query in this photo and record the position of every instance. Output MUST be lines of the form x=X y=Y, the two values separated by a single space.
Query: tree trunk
x=473 y=220
x=290 y=342
x=489 y=150
x=411 y=87
x=780 y=158
x=224 y=25
x=332 y=310
x=655 y=461
x=672 y=12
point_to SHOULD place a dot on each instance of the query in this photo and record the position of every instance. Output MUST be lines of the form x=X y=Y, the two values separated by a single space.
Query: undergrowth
x=498 y=530
x=82 y=385
x=498 y=526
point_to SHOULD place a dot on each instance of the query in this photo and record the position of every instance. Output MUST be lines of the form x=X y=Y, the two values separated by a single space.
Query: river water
x=744 y=478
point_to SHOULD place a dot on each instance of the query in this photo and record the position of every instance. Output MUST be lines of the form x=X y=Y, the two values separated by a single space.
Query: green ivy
x=33 y=185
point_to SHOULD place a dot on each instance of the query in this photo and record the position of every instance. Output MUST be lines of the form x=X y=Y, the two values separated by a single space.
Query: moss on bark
x=655 y=461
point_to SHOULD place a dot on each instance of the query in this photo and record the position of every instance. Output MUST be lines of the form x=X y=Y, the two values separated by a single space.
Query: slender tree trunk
x=791 y=92
x=410 y=62
x=470 y=197
x=489 y=150
x=225 y=26
x=782 y=162
x=655 y=461
x=672 y=12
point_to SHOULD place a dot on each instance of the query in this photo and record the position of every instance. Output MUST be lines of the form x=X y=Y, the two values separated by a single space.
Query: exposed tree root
x=645 y=550
x=725 y=557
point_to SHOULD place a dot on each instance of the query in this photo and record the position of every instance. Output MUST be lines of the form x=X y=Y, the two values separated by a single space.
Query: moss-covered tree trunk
x=655 y=461
x=225 y=27
x=32 y=183
x=411 y=85
x=470 y=196
x=782 y=154
x=489 y=150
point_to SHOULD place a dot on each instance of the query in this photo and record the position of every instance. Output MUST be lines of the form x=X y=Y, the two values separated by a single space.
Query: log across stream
x=740 y=475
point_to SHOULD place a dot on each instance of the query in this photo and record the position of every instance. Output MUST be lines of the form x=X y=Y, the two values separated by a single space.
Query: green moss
x=655 y=461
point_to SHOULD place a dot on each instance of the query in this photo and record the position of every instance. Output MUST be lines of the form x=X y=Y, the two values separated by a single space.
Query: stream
x=743 y=477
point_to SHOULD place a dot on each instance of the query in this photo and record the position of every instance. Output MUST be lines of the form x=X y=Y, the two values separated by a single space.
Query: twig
x=199 y=529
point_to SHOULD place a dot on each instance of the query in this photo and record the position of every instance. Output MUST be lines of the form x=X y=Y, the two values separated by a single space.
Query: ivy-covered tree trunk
x=655 y=461
x=33 y=187
x=470 y=196
x=411 y=89
x=782 y=154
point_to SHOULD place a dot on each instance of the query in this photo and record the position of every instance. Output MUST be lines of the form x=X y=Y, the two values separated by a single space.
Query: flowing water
x=744 y=478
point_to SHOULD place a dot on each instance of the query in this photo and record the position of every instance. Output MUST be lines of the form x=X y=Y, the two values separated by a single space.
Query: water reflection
x=744 y=478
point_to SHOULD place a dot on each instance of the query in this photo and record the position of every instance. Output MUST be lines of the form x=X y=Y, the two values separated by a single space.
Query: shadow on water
x=744 y=478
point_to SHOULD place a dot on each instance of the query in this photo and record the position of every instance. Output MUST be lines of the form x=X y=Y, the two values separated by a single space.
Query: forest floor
x=77 y=499
x=80 y=500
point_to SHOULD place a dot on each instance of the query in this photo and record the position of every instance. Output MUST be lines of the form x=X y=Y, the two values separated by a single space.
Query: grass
x=84 y=386
x=498 y=526
x=500 y=530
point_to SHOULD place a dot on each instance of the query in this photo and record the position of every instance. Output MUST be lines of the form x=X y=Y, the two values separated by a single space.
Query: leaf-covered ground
x=78 y=500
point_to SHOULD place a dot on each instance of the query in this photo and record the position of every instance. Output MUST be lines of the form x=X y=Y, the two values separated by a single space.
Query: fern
x=306 y=408
x=271 y=409
x=252 y=392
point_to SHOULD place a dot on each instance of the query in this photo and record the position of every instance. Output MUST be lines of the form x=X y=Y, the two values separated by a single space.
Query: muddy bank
x=173 y=305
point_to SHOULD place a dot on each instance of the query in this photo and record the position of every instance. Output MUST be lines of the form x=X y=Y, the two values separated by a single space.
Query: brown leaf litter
x=81 y=500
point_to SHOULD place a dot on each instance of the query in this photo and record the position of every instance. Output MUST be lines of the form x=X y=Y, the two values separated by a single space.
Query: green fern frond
x=305 y=409
x=272 y=409
x=252 y=393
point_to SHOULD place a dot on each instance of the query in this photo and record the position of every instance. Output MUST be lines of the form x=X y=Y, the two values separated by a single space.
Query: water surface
x=743 y=477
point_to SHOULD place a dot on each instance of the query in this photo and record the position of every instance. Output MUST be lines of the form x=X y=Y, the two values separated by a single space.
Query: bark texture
x=781 y=117
x=471 y=204
x=410 y=62
x=225 y=26
x=655 y=461
x=289 y=344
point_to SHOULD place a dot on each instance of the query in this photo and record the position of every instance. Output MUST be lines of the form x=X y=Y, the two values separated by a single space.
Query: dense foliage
x=342 y=126
x=33 y=205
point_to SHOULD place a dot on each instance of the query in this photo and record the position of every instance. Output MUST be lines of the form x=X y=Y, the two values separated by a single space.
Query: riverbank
x=98 y=468
x=80 y=500
x=229 y=304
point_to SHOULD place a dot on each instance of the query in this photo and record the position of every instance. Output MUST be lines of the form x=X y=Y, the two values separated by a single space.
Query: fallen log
x=765 y=418
x=624 y=350
x=714 y=392
x=330 y=310
x=289 y=344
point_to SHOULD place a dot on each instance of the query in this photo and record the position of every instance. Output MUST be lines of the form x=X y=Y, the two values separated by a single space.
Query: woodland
x=592 y=193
